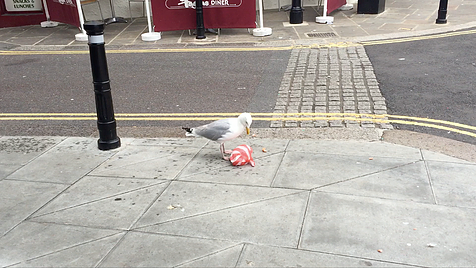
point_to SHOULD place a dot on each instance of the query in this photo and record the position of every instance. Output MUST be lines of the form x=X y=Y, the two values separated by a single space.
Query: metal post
x=296 y=15
x=442 y=12
x=200 y=24
x=105 y=112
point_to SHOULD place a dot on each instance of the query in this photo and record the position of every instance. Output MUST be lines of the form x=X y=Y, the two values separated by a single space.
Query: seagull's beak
x=247 y=130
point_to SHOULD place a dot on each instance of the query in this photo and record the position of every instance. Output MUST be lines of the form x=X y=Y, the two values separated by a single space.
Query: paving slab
x=274 y=221
x=182 y=200
x=262 y=174
x=433 y=156
x=265 y=256
x=355 y=148
x=20 y=199
x=66 y=163
x=83 y=255
x=156 y=250
x=454 y=183
x=305 y=170
x=381 y=229
x=20 y=150
x=226 y=258
x=92 y=189
x=117 y=212
x=147 y=162
x=30 y=240
x=409 y=182
x=6 y=170
x=208 y=166
x=184 y=142
x=205 y=160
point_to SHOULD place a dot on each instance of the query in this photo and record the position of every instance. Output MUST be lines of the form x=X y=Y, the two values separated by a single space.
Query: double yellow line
x=417 y=38
x=243 y=49
x=370 y=118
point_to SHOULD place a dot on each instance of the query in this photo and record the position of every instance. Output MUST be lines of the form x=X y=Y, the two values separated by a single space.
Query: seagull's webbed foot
x=223 y=152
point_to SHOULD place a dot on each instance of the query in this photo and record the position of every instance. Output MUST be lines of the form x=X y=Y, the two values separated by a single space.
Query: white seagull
x=222 y=130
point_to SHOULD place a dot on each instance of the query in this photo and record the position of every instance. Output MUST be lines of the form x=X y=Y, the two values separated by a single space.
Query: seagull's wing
x=214 y=131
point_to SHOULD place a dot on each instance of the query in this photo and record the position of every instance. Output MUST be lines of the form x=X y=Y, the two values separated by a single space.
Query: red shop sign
x=172 y=15
x=64 y=11
x=334 y=4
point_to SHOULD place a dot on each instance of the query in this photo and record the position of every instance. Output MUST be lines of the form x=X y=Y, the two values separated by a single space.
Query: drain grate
x=320 y=35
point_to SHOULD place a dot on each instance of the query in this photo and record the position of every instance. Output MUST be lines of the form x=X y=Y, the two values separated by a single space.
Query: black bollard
x=442 y=10
x=200 y=24
x=105 y=112
x=296 y=14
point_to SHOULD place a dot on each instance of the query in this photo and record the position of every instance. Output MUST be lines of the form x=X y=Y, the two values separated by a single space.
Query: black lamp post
x=296 y=15
x=200 y=24
x=442 y=10
x=106 y=123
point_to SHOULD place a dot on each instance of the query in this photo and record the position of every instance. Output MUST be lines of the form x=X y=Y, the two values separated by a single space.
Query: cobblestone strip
x=329 y=80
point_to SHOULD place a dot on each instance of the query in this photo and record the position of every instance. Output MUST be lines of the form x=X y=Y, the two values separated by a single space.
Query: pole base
x=296 y=16
x=153 y=36
x=441 y=21
x=48 y=24
x=114 y=20
x=262 y=31
x=109 y=145
x=346 y=7
x=325 y=20
x=81 y=37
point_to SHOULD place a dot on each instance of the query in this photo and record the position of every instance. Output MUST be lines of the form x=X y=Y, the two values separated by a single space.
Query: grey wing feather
x=214 y=130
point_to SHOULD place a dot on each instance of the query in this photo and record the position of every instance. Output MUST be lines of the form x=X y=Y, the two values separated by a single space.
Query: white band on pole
x=96 y=39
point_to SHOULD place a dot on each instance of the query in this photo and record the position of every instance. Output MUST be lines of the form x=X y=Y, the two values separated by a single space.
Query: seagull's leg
x=226 y=151
x=222 y=151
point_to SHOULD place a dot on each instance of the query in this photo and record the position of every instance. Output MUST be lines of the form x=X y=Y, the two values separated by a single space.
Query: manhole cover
x=320 y=35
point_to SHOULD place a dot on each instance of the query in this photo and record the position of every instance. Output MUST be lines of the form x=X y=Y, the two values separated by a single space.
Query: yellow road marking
x=216 y=116
x=416 y=38
x=240 y=49
x=156 y=50
x=372 y=118
x=181 y=50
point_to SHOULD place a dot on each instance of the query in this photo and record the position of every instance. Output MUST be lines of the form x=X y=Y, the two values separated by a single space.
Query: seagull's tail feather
x=189 y=131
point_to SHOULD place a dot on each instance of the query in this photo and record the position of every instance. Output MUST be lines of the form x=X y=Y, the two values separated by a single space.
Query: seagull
x=222 y=130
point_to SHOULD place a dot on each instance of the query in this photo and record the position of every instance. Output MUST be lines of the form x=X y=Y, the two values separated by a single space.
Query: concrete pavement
x=173 y=202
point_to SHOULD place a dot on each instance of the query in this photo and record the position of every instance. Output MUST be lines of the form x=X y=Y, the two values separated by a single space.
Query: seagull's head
x=245 y=119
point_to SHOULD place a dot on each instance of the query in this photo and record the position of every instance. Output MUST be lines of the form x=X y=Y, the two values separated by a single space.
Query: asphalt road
x=192 y=82
x=431 y=78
